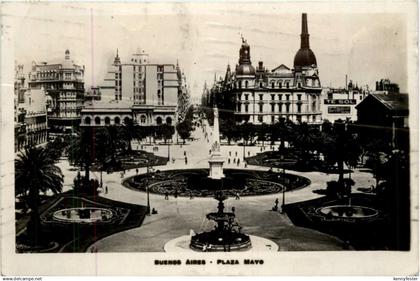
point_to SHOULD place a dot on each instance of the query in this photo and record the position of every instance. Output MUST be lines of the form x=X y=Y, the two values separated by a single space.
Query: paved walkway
x=176 y=217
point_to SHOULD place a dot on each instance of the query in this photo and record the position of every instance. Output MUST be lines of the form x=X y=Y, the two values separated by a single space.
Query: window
x=261 y=85
x=330 y=96
x=159 y=120
x=246 y=96
x=126 y=120
x=287 y=84
x=117 y=120
x=143 y=119
x=169 y=120
x=87 y=120
x=261 y=96
x=299 y=107
x=272 y=85
x=246 y=107
x=107 y=120
x=97 y=120
x=261 y=107
x=239 y=84
x=280 y=84
x=272 y=97
x=287 y=97
x=260 y=119
x=280 y=107
x=273 y=105
x=299 y=85
x=280 y=96
x=273 y=119
x=299 y=96
x=287 y=107
x=246 y=83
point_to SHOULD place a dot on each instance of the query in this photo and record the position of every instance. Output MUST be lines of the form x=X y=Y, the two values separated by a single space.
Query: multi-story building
x=19 y=90
x=30 y=113
x=340 y=103
x=138 y=90
x=258 y=95
x=64 y=84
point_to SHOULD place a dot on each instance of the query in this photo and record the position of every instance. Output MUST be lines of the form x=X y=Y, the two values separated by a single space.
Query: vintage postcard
x=197 y=138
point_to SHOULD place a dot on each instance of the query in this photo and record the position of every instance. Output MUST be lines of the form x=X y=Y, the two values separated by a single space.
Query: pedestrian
x=249 y=153
x=106 y=189
x=209 y=150
x=228 y=160
x=176 y=193
x=277 y=201
x=137 y=171
x=233 y=209
x=230 y=153
x=191 y=195
x=186 y=160
x=237 y=196
x=166 y=195
x=246 y=164
x=239 y=161
x=185 y=153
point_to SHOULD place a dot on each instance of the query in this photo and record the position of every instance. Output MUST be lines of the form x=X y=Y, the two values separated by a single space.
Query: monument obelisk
x=216 y=160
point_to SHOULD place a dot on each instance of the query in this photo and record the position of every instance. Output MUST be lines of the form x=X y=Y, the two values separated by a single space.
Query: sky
x=204 y=38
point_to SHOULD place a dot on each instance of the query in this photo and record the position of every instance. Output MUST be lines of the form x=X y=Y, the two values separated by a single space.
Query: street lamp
x=284 y=192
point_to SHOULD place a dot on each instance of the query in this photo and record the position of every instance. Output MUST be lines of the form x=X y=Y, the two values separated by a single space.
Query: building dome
x=304 y=57
x=245 y=66
x=245 y=69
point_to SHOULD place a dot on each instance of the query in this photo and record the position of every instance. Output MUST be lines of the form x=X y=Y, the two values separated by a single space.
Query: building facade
x=144 y=92
x=64 y=84
x=340 y=103
x=30 y=113
x=259 y=95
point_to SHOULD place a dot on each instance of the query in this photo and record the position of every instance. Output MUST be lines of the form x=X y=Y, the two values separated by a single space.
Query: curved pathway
x=177 y=216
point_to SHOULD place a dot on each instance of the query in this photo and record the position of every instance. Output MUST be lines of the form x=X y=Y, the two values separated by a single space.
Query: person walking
x=166 y=195
x=137 y=171
x=106 y=189
x=228 y=160
x=233 y=209
x=237 y=196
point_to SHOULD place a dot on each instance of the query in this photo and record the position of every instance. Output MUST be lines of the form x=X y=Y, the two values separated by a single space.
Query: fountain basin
x=214 y=241
x=347 y=211
x=86 y=215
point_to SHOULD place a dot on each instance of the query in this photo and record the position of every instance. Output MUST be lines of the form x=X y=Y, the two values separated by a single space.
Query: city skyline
x=205 y=44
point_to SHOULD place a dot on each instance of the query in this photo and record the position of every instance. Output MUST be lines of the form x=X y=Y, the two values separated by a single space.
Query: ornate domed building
x=259 y=95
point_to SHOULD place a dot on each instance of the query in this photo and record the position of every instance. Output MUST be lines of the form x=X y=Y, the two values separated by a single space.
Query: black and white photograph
x=217 y=136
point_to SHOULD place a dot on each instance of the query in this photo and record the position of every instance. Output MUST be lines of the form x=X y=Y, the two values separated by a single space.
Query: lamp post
x=284 y=192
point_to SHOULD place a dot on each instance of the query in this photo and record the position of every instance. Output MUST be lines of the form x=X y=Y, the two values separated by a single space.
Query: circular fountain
x=227 y=234
x=347 y=211
x=84 y=215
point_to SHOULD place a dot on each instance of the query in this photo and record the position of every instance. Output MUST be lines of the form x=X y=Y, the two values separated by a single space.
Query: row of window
x=273 y=107
x=273 y=97
x=117 y=120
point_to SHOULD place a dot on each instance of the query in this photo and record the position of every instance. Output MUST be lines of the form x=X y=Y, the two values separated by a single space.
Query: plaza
x=177 y=216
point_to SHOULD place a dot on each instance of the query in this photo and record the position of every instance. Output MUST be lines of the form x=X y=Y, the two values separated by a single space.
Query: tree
x=184 y=129
x=130 y=131
x=36 y=172
x=262 y=131
x=81 y=150
x=304 y=140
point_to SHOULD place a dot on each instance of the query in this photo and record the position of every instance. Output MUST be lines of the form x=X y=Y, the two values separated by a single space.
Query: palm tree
x=35 y=171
